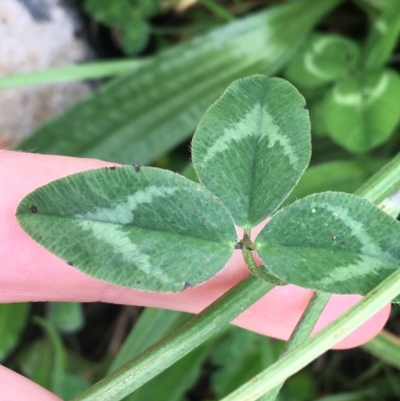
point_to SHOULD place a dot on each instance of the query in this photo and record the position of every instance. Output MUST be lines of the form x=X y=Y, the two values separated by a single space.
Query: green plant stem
x=259 y=271
x=302 y=355
x=382 y=184
x=383 y=36
x=163 y=354
x=74 y=73
x=301 y=332
x=379 y=190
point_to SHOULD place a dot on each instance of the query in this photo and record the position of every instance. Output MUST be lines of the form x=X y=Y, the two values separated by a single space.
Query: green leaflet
x=362 y=111
x=145 y=113
x=252 y=146
x=325 y=58
x=143 y=228
x=327 y=242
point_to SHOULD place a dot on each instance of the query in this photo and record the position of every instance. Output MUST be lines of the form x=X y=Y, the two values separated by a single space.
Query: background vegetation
x=172 y=60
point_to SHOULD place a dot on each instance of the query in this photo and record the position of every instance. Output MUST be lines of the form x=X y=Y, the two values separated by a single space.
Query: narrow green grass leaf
x=325 y=58
x=362 y=111
x=383 y=36
x=327 y=242
x=99 y=69
x=152 y=326
x=386 y=347
x=133 y=226
x=170 y=385
x=138 y=117
x=252 y=146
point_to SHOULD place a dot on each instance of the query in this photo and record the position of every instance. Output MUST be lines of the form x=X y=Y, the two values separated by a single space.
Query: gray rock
x=38 y=35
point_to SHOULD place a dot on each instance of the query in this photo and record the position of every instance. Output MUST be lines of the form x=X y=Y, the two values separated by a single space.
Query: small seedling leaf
x=362 y=111
x=325 y=58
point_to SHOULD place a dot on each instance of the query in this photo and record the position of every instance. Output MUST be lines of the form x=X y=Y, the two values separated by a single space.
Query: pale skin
x=30 y=273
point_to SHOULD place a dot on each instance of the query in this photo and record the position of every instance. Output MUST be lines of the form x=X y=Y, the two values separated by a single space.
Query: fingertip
x=15 y=387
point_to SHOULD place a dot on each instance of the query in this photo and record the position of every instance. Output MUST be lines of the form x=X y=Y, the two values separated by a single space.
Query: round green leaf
x=326 y=58
x=252 y=146
x=135 y=35
x=332 y=242
x=133 y=226
x=362 y=111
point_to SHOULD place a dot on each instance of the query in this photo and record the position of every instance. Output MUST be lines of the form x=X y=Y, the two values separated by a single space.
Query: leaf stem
x=261 y=272
x=163 y=354
x=302 y=355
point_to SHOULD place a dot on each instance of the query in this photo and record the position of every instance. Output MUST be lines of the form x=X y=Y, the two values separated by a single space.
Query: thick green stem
x=297 y=359
x=382 y=184
x=301 y=332
x=159 y=357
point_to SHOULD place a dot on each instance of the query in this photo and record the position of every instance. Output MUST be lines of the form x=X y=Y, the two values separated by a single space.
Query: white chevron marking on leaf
x=366 y=97
x=240 y=130
x=121 y=244
x=123 y=212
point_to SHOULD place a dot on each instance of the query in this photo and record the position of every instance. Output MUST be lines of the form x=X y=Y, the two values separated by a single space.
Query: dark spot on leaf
x=33 y=209
x=239 y=245
x=305 y=107
x=111 y=168
x=210 y=133
x=70 y=263
x=138 y=282
x=137 y=168
x=343 y=242
x=187 y=285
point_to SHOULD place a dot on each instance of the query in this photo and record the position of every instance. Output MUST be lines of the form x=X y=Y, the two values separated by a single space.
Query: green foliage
x=331 y=242
x=13 y=319
x=130 y=16
x=152 y=325
x=134 y=226
x=325 y=59
x=67 y=317
x=45 y=362
x=157 y=231
x=383 y=36
x=362 y=111
x=239 y=355
x=246 y=150
x=140 y=116
x=174 y=382
x=340 y=175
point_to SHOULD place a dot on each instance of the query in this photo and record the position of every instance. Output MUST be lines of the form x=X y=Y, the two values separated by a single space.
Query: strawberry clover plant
x=154 y=230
